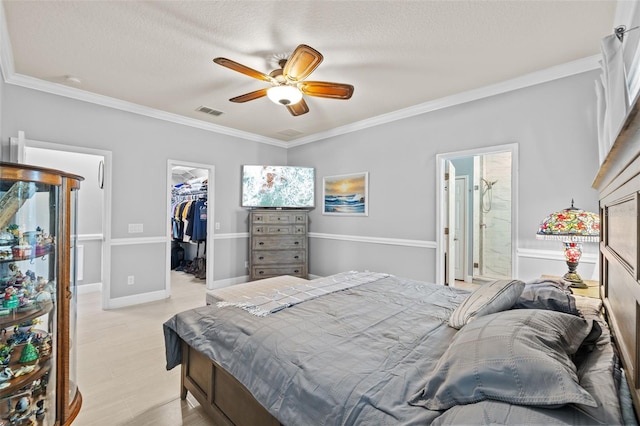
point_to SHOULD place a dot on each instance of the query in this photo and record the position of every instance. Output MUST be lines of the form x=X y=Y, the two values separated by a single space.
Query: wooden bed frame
x=221 y=395
x=229 y=403
x=618 y=184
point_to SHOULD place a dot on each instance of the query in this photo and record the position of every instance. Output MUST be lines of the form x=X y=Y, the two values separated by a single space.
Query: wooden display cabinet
x=38 y=304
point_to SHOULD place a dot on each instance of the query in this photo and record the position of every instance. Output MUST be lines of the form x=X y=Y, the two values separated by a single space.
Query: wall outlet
x=135 y=228
x=131 y=280
x=217 y=225
x=246 y=264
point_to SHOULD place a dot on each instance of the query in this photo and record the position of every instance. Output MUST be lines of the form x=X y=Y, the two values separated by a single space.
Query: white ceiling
x=155 y=57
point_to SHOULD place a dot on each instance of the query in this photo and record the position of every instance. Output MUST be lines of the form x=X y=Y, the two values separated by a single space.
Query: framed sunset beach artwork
x=346 y=195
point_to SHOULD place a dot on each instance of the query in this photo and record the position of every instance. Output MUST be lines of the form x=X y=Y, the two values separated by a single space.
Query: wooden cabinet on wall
x=38 y=316
x=278 y=243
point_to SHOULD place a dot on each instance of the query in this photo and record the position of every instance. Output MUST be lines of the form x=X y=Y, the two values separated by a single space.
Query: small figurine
x=10 y=298
x=14 y=229
x=13 y=269
x=40 y=410
x=24 y=370
x=29 y=353
x=6 y=374
x=5 y=354
x=23 y=300
x=42 y=294
x=22 y=412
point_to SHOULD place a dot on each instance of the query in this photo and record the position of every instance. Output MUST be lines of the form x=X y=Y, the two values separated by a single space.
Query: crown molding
x=82 y=95
x=554 y=73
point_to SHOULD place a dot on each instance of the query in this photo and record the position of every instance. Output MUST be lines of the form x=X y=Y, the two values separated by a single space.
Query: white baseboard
x=229 y=281
x=89 y=288
x=121 y=302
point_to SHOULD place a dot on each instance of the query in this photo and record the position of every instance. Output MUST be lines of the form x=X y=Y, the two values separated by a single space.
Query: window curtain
x=612 y=94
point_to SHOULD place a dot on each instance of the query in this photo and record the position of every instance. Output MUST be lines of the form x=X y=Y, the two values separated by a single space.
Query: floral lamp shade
x=572 y=226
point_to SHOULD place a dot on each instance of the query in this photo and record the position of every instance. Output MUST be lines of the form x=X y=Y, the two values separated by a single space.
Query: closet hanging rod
x=621 y=30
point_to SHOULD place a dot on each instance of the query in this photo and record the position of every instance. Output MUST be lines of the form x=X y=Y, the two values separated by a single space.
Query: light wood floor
x=121 y=365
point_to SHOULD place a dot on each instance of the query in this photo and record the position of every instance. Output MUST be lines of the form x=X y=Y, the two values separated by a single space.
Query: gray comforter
x=333 y=360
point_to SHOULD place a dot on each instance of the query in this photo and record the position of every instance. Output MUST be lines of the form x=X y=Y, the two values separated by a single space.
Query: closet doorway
x=477 y=226
x=191 y=183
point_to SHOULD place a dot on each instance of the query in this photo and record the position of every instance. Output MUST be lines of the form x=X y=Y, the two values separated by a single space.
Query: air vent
x=209 y=111
x=290 y=133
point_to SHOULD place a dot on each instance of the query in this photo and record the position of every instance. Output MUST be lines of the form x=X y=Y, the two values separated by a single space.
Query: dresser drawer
x=275 y=217
x=279 y=230
x=282 y=243
x=269 y=271
x=278 y=256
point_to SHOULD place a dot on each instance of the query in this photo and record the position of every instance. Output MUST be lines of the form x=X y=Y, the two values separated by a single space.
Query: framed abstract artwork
x=346 y=195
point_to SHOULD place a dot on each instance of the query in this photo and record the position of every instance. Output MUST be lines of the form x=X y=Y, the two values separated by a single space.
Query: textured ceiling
x=398 y=54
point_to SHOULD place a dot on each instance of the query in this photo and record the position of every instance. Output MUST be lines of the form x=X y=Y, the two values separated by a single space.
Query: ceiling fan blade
x=250 y=96
x=301 y=63
x=325 y=89
x=233 y=65
x=298 y=108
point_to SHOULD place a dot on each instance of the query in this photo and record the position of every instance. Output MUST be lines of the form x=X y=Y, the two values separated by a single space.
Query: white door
x=460 y=229
x=450 y=180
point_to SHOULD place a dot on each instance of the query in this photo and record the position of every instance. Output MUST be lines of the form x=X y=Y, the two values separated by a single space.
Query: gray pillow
x=487 y=299
x=500 y=413
x=547 y=294
x=519 y=356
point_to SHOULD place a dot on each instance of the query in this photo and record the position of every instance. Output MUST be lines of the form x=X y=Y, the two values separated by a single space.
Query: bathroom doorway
x=483 y=226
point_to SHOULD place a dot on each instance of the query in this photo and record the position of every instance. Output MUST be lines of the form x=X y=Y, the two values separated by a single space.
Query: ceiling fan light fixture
x=284 y=95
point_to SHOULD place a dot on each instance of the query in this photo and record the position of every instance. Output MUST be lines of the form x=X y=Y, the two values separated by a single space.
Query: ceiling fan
x=287 y=82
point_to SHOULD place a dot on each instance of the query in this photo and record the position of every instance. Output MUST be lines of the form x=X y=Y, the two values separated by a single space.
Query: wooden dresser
x=278 y=243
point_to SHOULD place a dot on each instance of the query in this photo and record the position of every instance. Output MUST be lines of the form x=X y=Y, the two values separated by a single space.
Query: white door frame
x=106 y=217
x=441 y=219
x=210 y=219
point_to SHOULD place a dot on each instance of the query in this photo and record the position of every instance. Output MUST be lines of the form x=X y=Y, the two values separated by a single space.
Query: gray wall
x=141 y=147
x=553 y=124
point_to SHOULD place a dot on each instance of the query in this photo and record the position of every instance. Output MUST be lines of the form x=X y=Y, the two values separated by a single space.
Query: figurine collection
x=24 y=349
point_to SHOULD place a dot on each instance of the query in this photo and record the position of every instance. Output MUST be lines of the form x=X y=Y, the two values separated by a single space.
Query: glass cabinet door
x=37 y=285
x=72 y=317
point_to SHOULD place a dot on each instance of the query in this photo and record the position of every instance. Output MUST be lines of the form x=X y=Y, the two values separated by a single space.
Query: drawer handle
x=260 y=272
x=261 y=243
x=296 y=257
x=261 y=257
x=296 y=271
x=297 y=242
x=278 y=229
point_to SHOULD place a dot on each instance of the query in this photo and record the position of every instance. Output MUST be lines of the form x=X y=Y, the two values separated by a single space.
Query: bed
x=371 y=348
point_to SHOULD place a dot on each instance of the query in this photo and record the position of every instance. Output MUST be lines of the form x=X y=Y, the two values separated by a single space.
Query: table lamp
x=572 y=226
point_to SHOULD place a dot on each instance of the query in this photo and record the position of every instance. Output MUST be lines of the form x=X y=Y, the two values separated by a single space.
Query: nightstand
x=593 y=289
